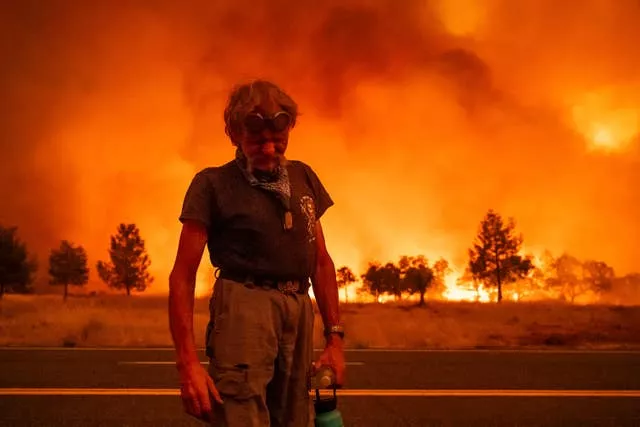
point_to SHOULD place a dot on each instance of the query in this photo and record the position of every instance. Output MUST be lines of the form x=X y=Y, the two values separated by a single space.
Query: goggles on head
x=257 y=123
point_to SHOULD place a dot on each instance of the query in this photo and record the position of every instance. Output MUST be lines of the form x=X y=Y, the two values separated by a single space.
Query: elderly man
x=259 y=215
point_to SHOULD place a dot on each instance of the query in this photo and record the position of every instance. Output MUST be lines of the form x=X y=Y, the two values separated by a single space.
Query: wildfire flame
x=606 y=122
x=457 y=291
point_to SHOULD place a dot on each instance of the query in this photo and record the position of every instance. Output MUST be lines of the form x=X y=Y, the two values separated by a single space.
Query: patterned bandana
x=279 y=185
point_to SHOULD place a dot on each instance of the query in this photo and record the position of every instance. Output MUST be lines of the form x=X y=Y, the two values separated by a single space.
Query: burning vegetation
x=498 y=268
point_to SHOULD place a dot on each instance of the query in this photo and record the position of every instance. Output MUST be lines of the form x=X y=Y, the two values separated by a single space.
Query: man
x=259 y=215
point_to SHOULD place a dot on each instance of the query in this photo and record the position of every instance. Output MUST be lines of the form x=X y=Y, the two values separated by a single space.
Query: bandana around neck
x=278 y=183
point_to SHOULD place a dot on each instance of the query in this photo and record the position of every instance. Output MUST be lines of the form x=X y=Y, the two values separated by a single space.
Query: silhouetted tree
x=567 y=277
x=373 y=281
x=530 y=285
x=416 y=275
x=391 y=280
x=598 y=276
x=494 y=257
x=406 y=261
x=68 y=266
x=129 y=261
x=17 y=268
x=345 y=277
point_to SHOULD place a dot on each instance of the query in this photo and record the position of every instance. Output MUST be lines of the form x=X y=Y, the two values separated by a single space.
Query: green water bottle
x=326 y=407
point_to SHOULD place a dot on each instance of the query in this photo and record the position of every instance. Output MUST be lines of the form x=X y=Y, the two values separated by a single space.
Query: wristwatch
x=335 y=329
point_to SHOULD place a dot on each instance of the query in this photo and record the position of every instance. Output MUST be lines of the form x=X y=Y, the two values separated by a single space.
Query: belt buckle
x=288 y=287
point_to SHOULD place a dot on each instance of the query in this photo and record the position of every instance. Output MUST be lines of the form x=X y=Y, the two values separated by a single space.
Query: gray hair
x=245 y=97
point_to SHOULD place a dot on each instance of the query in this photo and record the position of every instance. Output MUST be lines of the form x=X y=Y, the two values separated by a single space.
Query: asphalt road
x=110 y=387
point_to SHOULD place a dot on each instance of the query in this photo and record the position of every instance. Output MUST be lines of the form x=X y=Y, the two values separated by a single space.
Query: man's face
x=264 y=137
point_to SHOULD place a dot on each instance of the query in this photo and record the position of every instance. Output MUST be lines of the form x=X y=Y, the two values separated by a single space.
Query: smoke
x=417 y=115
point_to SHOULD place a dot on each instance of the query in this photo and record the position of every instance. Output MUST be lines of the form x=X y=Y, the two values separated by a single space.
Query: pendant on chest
x=288 y=220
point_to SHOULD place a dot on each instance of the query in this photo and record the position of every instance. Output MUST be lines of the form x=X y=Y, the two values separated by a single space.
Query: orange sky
x=418 y=116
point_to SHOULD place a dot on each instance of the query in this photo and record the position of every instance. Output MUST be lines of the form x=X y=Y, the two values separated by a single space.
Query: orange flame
x=609 y=119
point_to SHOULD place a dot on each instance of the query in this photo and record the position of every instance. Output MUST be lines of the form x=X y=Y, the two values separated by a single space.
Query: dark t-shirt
x=245 y=225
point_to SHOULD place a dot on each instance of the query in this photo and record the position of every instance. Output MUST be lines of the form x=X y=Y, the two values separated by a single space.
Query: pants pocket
x=234 y=382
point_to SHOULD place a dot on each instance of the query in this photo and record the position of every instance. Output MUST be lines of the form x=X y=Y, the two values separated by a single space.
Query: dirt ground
x=138 y=321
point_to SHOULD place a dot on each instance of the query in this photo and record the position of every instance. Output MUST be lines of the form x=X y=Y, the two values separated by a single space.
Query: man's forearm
x=325 y=289
x=181 y=303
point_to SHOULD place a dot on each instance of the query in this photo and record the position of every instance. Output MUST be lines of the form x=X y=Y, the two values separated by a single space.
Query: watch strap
x=335 y=329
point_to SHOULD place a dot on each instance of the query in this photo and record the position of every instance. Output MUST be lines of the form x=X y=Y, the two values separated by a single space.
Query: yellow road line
x=345 y=392
x=492 y=393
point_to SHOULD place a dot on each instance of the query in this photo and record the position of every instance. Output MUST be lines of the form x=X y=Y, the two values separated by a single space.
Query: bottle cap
x=324 y=378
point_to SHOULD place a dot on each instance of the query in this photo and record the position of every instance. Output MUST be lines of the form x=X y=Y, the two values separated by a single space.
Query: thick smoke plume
x=418 y=116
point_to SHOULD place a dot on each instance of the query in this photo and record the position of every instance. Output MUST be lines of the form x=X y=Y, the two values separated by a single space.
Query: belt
x=287 y=286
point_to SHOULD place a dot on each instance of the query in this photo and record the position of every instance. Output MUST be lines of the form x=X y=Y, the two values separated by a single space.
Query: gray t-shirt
x=245 y=223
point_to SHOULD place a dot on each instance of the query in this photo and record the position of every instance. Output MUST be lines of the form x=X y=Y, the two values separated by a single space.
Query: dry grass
x=447 y=325
x=116 y=321
x=109 y=321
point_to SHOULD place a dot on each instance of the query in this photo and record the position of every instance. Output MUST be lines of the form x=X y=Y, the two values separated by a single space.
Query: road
x=138 y=387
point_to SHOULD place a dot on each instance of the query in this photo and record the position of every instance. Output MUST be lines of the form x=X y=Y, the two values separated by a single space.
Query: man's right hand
x=197 y=387
x=196 y=391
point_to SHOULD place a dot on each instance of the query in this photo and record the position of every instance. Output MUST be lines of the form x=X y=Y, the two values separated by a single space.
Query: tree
x=567 y=277
x=68 y=266
x=373 y=281
x=494 y=258
x=391 y=283
x=128 y=268
x=531 y=285
x=599 y=276
x=345 y=277
x=416 y=275
x=17 y=268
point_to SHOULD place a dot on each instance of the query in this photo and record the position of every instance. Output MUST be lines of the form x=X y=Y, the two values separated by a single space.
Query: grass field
x=138 y=321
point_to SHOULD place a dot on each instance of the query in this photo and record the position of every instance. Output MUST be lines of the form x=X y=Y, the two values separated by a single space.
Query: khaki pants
x=260 y=343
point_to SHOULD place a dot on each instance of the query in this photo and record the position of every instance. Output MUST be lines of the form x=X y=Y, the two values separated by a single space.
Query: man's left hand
x=333 y=356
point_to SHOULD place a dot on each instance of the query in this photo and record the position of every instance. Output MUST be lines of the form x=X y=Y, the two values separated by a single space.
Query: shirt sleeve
x=323 y=200
x=198 y=201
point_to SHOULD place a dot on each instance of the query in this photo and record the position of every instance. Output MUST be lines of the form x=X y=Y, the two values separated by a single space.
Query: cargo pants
x=260 y=347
